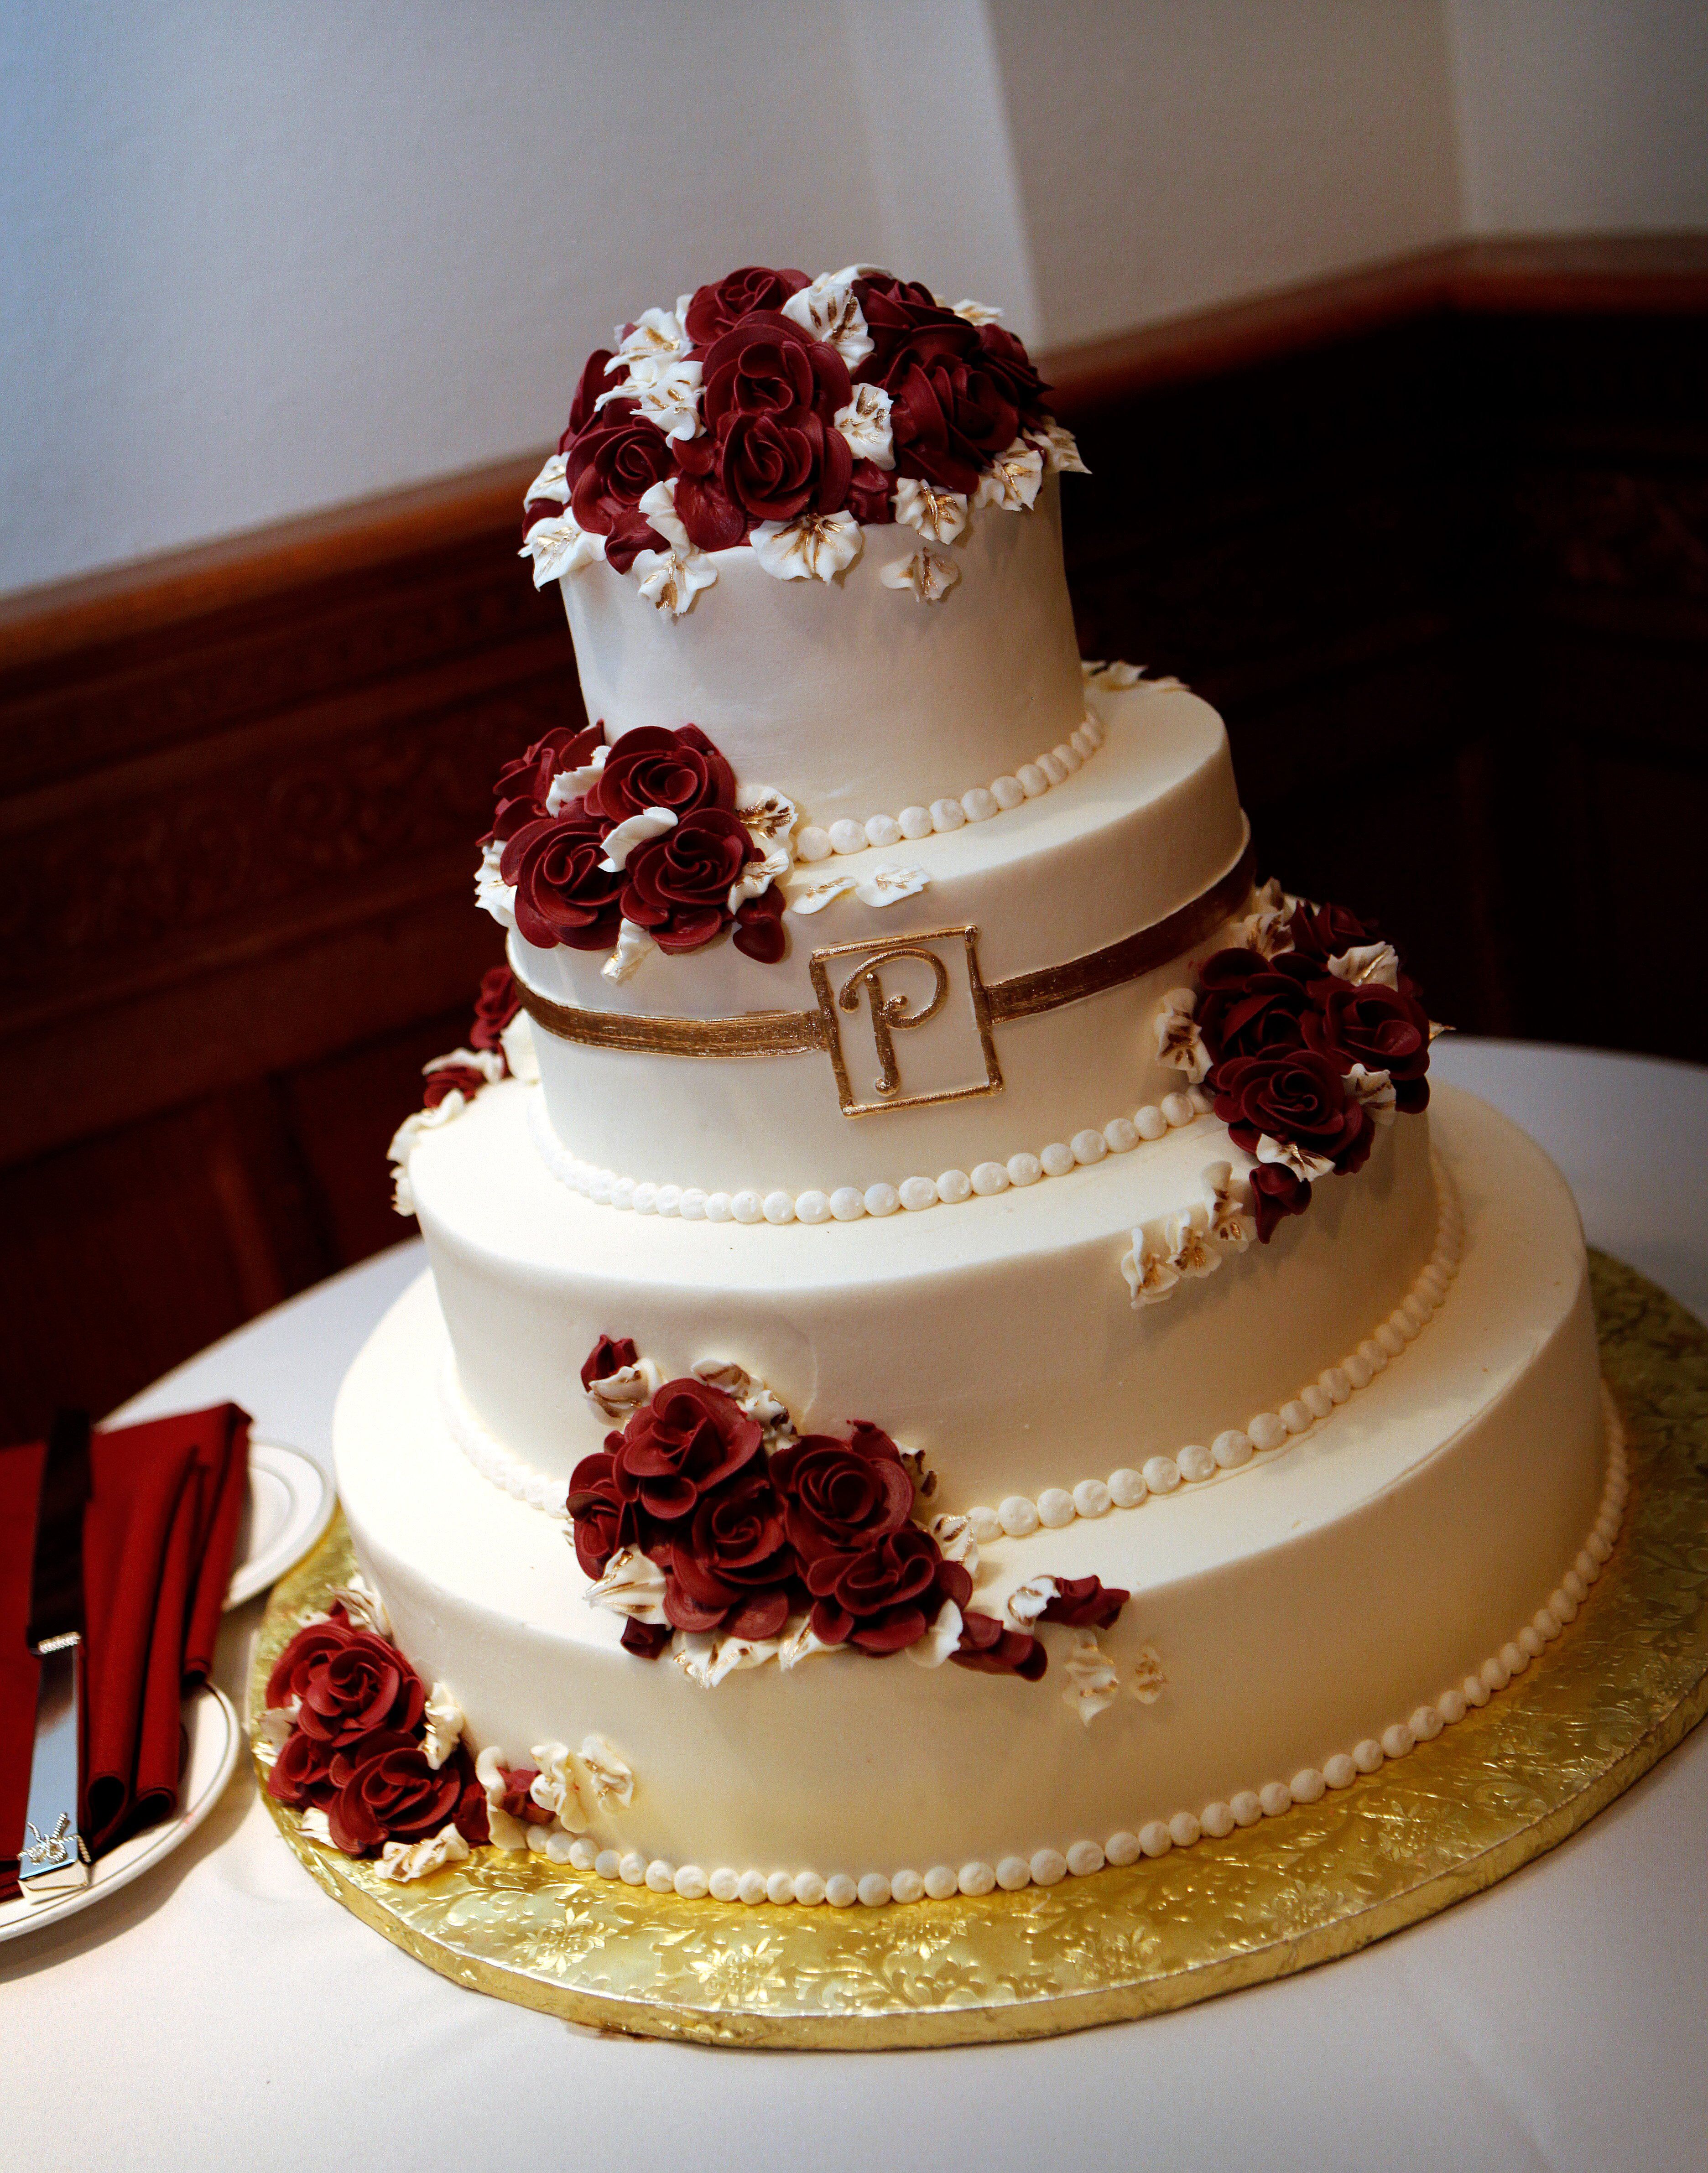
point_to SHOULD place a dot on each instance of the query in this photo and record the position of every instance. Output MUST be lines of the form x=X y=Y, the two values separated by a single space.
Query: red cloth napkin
x=158 y=1539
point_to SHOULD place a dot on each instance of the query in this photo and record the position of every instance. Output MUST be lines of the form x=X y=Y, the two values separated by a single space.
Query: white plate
x=290 y=1504
x=215 y=1739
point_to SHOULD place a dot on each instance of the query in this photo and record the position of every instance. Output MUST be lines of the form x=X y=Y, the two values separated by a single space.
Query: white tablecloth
x=223 y=2012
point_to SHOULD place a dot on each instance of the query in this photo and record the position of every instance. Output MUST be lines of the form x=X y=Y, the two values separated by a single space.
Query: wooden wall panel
x=1434 y=537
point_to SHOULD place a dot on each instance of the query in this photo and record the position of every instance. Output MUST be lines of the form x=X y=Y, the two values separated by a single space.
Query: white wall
x=257 y=259
x=1582 y=116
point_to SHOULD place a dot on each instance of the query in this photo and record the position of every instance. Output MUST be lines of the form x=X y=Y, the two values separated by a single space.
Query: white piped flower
x=403 y=1860
x=1026 y=1603
x=814 y=897
x=1013 y=479
x=655 y=336
x=769 y=814
x=552 y=482
x=1367 y=964
x=1268 y=933
x=407 y=1137
x=609 y=1776
x=939 y=516
x=1228 y=1200
x=1375 y=1090
x=363 y=1606
x=669 y=394
x=632 y=1586
x=555 y=1788
x=559 y=546
x=486 y=1061
x=757 y=877
x=1191 y=1248
x=1148 y=1680
x=927 y=573
x=1095 y=1683
x=672 y=579
x=755 y=1398
x=573 y=784
x=976 y=313
x=955 y=1542
x=492 y=894
x=633 y=830
x=1151 y=1275
x=273 y=1726
x=1179 y=1042
x=1289 y=1154
x=944 y=1635
x=617 y=1396
x=706 y=1658
x=800 y=1642
x=658 y=504
x=517 y=1042
x=812 y=546
x=633 y=945
x=865 y=423
x=889 y=885
x=1059 y=450
x=829 y=310
x=443 y=1727
x=317 y=1828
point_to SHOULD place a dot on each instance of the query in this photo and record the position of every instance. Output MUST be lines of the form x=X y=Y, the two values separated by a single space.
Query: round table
x=224 y=2011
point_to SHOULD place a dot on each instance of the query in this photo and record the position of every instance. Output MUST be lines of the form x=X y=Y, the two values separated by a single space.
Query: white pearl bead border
x=509 y=1474
x=1249 y=1807
x=1031 y=781
x=849 y=1203
x=1017 y=1516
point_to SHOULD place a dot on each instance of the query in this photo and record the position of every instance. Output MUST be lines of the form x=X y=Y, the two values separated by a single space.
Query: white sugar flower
x=443 y=1727
x=633 y=944
x=1025 y=1603
x=575 y=783
x=757 y=877
x=1095 y=1685
x=668 y=393
x=517 y=1042
x=507 y=1831
x=554 y=1787
x=487 y=1061
x=1013 y=479
x=364 y=1609
x=1148 y=1679
x=559 y=546
x=889 y=885
x=618 y=1395
x=1151 y=1275
x=1060 y=450
x=407 y=1137
x=1179 y=1042
x=812 y=546
x=671 y=579
x=807 y=897
x=939 y=516
x=769 y=815
x=403 y=1860
x=1288 y=1154
x=976 y=313
x=801 y=1641
x=632 y=1586
x=955 y=1543
x=656 y=335
x=658 y=504
x=1367 y=965
x=829 y=311
x=1228 y=1205
x=1374 y=1089
x=1191 y=1248
x=609 y=1776
x=552 y=482
x=633 y=830
x=940 y=1641
x=865 y=423
x=928 y=574
x=492 y=894
x=706 y=1658
x=755 y=1397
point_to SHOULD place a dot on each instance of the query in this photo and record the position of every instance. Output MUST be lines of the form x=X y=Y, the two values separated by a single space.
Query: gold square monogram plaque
x=872 y=995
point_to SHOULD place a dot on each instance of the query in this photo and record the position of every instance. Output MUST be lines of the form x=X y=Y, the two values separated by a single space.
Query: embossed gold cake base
x=1621 y=1686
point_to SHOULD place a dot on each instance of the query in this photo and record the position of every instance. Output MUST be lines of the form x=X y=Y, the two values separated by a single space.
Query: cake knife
x=55 y=1857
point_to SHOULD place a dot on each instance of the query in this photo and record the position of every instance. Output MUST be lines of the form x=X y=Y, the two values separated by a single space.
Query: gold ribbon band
x=796 y=1033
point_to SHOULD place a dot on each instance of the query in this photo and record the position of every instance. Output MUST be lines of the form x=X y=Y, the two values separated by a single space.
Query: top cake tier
x=852 y=695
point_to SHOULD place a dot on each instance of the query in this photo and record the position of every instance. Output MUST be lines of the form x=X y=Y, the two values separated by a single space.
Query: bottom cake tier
x=1296 y=1620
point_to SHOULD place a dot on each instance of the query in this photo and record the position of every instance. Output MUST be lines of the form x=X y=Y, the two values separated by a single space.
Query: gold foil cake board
x=1614 y=1693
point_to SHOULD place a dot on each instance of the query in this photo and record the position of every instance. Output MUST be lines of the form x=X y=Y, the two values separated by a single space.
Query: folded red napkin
x=158 y=1539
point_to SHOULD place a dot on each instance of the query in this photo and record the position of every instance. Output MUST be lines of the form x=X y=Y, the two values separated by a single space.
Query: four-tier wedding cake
x=960 y=1346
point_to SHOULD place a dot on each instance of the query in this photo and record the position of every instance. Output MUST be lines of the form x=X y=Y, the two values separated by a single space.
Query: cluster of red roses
x=819 y=1525
x=676 y=887
x=355 y=1748
x=959 y=394
x=1284 y=1033
x=494 y=1007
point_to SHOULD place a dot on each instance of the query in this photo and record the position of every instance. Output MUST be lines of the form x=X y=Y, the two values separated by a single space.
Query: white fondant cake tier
x=997 y=1337
x=1150 y=823
x=1330 y=1594
x=850 y=695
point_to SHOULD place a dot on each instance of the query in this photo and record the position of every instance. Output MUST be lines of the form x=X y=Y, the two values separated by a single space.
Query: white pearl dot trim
x=521 y=1481
x=1030 y=782
x=1196 y=1464
x=848 y=1203
x=1156 y=1838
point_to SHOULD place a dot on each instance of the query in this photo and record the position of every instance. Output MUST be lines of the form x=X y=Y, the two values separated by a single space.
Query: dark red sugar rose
x=609 y=1354
x=731 y=1570
x=470 y=1818
x=1008 y=363
x=1321 y=932
x=884 y=1596
x=519 y=794
x=645 y=1640
x=680 y=771
x=350 y=1683
x=1250 y=1006
x=677 y=886
x=611 y=466
x=302 y=1771
x=758 y=927
x=991 y=1649
x=905 y=323
x=1383 y=1029
x=564 y=893
x=1086 y=1602
x=604 y=1518
x=775 y=467
x=495 y=1006
x=713 y=519
x=841 y=1495
x=767 y=364
x=383 y=1789
x=1276 y=1192
x=689 y=1439
x=451 y=1079
x=1294 y=1096
x=597 y=376
x=869 y=489
x=718 y=306
x=515 y=1799
x=949 y=419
